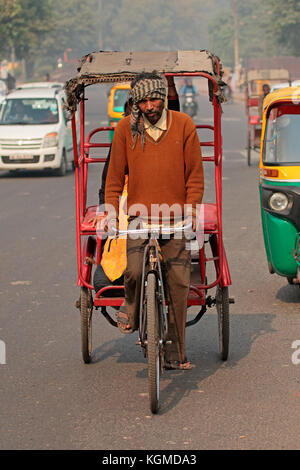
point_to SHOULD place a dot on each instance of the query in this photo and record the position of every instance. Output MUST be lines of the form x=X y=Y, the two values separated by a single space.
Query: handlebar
x=161 y=230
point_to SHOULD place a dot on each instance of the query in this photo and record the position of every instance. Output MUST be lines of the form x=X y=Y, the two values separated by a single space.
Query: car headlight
x=279 y=202
x=51 y=140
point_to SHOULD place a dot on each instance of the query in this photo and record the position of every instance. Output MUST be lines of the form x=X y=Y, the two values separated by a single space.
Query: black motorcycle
x=190 y=105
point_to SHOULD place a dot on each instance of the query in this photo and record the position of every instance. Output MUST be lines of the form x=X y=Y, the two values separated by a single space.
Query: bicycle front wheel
x=153 y=352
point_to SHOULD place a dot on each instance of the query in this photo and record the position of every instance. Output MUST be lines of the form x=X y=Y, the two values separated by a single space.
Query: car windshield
x=29 y=111
x=120 y=98
x=282 y=136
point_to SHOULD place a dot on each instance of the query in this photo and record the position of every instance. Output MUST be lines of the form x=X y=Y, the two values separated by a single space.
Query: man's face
x=152 y=108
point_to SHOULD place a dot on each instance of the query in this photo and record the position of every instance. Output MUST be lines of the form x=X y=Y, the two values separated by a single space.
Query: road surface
x=49 y=399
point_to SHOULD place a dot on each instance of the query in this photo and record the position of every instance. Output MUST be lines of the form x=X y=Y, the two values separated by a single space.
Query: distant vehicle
x=190 y=105
x=2 y=88
x=118 y=96
x=35 y=131
x=25 y=86
x=255 y=82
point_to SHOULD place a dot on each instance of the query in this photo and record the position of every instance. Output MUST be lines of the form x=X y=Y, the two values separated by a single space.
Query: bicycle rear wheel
x=86 y=312
x=153 y=350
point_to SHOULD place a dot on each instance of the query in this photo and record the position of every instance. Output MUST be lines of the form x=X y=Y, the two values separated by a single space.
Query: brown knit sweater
x=167 y=171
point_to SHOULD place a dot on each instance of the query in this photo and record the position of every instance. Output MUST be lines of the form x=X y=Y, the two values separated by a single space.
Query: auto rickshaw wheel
x=222 y=304
x=86 y=311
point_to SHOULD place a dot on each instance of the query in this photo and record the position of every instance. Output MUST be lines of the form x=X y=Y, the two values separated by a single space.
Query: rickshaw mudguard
x=222 y=270
x=225 y=280
x=279 y=238
x=88 y=253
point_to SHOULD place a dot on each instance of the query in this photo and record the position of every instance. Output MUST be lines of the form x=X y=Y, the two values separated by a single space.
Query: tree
x=23 y=25
x=284 y=25
x=266 y=28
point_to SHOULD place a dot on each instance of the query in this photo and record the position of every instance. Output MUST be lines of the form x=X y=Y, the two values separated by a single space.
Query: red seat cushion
x=210 y=217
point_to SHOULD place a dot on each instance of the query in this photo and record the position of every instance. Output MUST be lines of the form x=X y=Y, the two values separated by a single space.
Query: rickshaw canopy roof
x=113 y=67
x=268 y=74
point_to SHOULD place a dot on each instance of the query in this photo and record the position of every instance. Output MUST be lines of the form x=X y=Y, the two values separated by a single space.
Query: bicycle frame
x=151 y=260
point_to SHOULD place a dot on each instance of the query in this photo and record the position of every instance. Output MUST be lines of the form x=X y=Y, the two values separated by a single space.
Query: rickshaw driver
x=109 y=271
x=161 y=152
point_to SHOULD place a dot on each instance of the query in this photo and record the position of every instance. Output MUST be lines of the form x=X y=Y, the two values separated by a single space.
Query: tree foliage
x=285 y=18
x=23 y=25
x=39 y=31
x=266 y=28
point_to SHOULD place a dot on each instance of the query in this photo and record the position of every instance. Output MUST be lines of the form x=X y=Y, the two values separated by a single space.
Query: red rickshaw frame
x=212 y=211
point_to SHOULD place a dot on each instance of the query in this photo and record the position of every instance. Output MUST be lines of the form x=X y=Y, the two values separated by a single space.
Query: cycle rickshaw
x=118 y=67
x=255 y=80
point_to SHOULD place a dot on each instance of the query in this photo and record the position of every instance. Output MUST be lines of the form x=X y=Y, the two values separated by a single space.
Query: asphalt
x=49 y=399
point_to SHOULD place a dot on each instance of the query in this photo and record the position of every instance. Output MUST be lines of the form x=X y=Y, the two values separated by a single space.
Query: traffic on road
x=50 y=398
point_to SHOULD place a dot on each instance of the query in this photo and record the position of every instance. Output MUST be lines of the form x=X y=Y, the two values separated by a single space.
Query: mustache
x=151 y=112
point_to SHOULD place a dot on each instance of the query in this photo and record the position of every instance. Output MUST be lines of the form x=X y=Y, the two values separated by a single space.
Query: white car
x=35 y=132
x=25 y=86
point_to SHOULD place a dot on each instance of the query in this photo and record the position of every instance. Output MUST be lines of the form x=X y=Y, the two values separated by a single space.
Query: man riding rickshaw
x=156 y=157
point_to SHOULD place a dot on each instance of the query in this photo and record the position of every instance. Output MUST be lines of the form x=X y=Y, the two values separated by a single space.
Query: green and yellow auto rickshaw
x=279 y=182
x=118 y=96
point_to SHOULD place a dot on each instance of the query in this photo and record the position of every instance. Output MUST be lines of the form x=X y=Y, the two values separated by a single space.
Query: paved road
x=50 y=400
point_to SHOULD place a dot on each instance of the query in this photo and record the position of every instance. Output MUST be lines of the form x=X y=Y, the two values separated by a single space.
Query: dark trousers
x=176 y=263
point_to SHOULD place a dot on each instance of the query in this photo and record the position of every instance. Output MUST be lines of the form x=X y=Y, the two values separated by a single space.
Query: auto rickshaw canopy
x=289 y=94
x=113 y=67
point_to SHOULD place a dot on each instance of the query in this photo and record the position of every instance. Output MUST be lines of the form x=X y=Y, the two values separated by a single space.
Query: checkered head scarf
x=144 y=88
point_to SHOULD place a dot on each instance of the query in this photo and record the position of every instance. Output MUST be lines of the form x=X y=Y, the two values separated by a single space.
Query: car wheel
x=62 y=170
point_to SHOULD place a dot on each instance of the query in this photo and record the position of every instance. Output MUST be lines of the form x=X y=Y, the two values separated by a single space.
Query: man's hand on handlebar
x=103 y=224
x=192 y=219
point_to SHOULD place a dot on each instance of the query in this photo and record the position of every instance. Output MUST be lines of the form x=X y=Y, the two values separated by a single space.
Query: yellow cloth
x=114 y=258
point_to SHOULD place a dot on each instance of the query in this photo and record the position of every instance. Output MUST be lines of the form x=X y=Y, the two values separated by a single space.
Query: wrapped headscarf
x=144 y=88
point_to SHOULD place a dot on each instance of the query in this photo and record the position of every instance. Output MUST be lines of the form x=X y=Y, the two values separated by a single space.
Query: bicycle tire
x=249 y=149
x=153 y=353
x=222 y=303
x=86 y=311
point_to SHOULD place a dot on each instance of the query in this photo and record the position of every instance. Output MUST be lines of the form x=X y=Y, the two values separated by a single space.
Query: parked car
x=35 y=130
